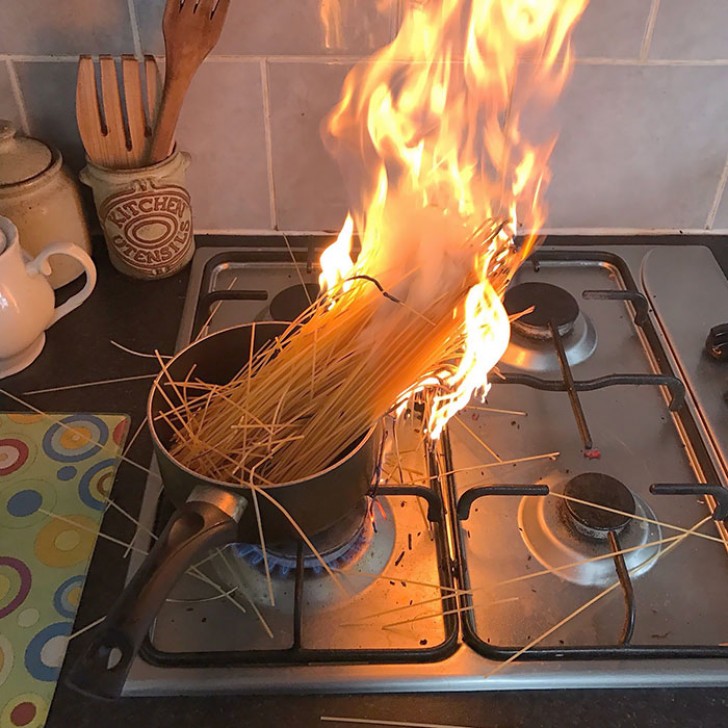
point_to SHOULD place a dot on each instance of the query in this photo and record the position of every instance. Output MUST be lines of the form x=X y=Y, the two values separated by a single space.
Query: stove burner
x=551 y=304
x=338 y=545
x=291 y=302
x=561 y=540
x=603 y=490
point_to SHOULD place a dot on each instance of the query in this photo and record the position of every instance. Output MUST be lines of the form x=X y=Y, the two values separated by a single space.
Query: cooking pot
x=211 y=513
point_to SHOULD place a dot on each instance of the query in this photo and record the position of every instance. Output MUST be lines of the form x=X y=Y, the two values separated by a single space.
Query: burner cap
x=291 y=302
x=601 y=490
x=550 y=303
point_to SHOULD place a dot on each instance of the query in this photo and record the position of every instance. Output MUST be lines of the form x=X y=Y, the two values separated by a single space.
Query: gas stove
x=565 y=532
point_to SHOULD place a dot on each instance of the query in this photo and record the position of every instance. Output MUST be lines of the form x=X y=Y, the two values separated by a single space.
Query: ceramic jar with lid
x=42 y=199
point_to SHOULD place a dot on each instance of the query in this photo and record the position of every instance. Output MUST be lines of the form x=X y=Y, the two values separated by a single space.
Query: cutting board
x=56 y=472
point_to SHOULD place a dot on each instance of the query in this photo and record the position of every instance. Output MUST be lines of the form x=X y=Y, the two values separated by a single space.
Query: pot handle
x=208 y=519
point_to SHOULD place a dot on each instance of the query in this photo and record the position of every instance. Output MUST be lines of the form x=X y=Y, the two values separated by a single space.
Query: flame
x=336 y=263
x=330 y=15
x=429 y=134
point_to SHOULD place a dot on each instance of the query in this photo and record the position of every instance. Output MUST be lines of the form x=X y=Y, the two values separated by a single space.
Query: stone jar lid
x=21 y=158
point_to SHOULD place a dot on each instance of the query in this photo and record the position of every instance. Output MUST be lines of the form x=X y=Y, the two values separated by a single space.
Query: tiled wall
x=644 y=122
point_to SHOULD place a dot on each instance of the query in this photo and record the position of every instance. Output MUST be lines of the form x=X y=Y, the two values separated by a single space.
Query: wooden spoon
x=192 y=28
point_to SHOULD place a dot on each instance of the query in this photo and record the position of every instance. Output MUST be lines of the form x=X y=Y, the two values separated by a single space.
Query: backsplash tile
x=694 y=29
x=40 y=27
x=8 y=108
x=612 y=29
x=721 y=219
x=308 y=186
x=222 y=128
x=285 y=27
x=623 y=163
x=642 y=145
x=49 y=89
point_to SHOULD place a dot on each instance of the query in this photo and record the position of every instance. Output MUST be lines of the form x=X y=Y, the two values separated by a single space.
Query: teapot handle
x=40 y=265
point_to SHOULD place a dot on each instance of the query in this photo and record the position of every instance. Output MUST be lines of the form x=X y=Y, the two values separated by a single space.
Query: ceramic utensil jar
x=146 y=216
x=27 y=302
x=39 y=195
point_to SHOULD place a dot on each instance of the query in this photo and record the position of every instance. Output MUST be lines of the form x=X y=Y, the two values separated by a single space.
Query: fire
x=430 y=137
x=332 y=16
x=330 y=13
x=336 y=263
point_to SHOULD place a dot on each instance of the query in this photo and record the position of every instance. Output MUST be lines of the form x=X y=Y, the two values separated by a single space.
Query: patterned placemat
x=56 y=472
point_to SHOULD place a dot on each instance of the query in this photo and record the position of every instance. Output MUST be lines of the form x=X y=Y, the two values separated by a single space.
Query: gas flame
x=440 y=174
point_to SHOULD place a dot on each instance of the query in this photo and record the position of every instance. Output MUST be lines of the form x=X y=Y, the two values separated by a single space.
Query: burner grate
x=622 y=648
x=556 y=317
x=477 y=543
x=599 y=635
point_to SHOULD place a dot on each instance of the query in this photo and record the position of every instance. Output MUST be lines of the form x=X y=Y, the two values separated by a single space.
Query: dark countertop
x=145 y=316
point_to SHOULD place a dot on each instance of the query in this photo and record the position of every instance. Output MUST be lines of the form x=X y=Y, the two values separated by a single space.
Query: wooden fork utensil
x=116 y=114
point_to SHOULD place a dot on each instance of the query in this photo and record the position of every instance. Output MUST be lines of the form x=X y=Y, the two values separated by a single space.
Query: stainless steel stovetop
x=449 y=582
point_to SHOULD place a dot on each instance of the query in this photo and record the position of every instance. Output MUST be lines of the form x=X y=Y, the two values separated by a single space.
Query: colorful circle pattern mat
x=56 y=472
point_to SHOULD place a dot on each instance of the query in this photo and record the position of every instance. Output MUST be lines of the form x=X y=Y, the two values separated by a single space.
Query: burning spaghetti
x=441 y=177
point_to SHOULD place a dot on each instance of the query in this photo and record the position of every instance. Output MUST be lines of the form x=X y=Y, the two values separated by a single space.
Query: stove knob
x=716 y=345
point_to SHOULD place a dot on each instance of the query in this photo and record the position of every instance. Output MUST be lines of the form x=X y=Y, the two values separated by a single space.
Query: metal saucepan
x=211 y=513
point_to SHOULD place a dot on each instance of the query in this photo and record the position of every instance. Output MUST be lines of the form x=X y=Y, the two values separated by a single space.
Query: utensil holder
x=146 y=216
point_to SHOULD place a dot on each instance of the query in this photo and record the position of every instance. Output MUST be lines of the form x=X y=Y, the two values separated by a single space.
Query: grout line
x=605 y=231
x=334 y=60
x=136 y=38
x=351 y=60
x=337 y=60
x=654 y=62
x=24 y=58
x=265 y=86
x=649 y=30
x=19 y=96
x=718 y=197
x=597 y=231
x=262 y=232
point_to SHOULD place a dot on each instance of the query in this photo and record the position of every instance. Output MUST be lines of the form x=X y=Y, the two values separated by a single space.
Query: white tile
x=40 y=27
x=721 y=219
x=691 y=29
x=49 y=90
x=222 y=128
x=8 y=108
x=285 y=27
x=611 y=28
x=640 y=147
x=309 y=190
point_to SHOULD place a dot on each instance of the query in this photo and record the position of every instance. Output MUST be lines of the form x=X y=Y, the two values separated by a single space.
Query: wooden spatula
x=117 y=133
x=191 y=30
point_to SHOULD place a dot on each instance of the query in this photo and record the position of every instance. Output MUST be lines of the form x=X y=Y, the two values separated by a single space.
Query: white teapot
x=27 y=302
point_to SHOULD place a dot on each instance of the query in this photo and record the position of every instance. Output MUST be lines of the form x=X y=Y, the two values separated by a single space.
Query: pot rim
x=233 y=486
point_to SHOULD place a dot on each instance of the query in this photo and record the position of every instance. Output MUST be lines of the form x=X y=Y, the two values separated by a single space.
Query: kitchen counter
x=144 y=317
